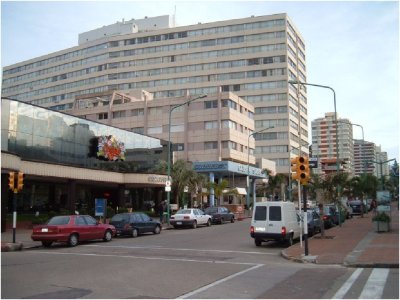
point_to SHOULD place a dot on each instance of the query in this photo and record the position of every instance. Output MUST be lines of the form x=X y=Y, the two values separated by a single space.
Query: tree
x=219 y=189
x=196 y=185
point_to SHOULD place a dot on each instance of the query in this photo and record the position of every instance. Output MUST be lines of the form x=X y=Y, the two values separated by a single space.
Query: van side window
x=275 y=213
x=261 y=213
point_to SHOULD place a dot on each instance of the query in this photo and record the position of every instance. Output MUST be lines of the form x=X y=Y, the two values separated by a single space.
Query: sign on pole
x=100 y=207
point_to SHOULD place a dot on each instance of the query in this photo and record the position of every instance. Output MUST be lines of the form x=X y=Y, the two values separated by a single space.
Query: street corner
x=289 y=254
x=8 y=247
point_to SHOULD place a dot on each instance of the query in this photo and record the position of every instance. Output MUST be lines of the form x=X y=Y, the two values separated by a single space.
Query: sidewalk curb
x=348 y=265
x=8 y=247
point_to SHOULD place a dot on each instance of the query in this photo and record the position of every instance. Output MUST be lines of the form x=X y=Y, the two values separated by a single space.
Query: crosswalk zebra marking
x=373 y=289
x=347 y=285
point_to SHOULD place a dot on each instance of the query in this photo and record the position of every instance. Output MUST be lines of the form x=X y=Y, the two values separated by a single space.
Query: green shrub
x=381 y=217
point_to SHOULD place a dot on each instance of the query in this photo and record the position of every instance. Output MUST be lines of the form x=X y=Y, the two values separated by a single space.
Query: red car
x=72 y=230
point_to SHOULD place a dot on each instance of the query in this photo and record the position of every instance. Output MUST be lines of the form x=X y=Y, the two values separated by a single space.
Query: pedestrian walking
x=373 y=206
x=161 y=208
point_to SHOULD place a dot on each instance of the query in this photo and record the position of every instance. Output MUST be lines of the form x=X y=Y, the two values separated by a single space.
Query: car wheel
x=73 y=240
x=175 y=226
x=134 y=232
x=194 y=225
x=257 y=242
x=233 y=220
x=157 y=230
x=209 y=223
x=107 y=236
x=47 y=244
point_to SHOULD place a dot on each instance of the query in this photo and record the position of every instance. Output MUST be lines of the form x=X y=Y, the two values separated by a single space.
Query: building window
x=211 y=125
x=137 y=112
x=210 y=145
x=119 y=114
x=138 y=130
x=177 y=128
x=103 y=116
x=210 y=104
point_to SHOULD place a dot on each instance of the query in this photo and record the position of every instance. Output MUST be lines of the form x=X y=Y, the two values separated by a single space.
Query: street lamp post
x=248 y=164
x=169 y=148
x=336 y=121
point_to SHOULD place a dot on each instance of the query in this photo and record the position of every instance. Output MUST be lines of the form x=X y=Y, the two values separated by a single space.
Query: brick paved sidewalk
x=355 y=243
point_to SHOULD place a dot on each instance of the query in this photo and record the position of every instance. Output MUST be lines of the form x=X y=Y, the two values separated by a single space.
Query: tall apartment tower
x=381 y=169
x=252 y=57
x=324 y=133
x=364 y=154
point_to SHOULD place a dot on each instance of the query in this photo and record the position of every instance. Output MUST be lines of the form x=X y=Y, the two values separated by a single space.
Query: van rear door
x=260 y=218
x=274 y=219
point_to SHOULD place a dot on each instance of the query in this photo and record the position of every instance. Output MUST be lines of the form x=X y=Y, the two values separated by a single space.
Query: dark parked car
x=313 y=222
x=330 y=216
x=136 y=223
x=72 y=230
x=356 y=206
x=220 y=214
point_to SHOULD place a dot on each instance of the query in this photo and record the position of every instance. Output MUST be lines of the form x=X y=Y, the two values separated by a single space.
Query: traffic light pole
x=14 y=215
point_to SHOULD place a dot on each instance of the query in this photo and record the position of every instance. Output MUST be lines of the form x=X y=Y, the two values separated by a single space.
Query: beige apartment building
x=324 y=131
x=207 y=131
x=364 y=155
x=213 y=128
x=252 y=57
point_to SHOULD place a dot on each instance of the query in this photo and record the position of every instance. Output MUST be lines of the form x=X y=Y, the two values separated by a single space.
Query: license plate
x=260 y=228
x=178 y=223
x=45 y=230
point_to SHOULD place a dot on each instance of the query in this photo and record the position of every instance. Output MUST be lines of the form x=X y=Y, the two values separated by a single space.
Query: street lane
x=220 y=261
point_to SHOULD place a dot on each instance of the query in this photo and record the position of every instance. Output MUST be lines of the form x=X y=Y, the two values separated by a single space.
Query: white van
x=275 y=220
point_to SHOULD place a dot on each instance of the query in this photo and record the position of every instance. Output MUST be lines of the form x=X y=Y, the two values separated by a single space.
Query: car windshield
x=184 y=212
x=211 y=210
x=60 y=220
x=120 y=218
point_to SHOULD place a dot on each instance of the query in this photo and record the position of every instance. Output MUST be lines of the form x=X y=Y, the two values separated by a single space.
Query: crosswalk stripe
x=347 y=285
x=373 y=289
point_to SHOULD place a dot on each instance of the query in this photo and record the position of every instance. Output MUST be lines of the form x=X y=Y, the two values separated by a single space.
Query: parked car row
x=73 y=229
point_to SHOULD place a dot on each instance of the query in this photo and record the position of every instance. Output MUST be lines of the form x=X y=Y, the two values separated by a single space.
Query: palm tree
x=219 y=189
x=196 y=185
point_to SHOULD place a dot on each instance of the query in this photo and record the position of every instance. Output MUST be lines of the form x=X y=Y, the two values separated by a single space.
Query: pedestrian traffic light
x=304 y=170
x=11 y=181
x=20 y=184
x=294 y=164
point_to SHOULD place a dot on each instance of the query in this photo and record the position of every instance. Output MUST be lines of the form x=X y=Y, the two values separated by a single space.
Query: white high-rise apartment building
x=364 y=154
x=381 y=169
x=324 y=133
x=252 y=57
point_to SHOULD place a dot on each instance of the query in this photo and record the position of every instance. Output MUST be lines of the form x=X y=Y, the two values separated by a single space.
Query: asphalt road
x=220 y=261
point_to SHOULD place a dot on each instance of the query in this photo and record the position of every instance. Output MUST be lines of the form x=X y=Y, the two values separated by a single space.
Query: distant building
x=381 y=169
x=324 y=133
x=364 y=154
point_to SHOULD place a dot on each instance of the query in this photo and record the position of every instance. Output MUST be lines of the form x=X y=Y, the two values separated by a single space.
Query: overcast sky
x=352 y=47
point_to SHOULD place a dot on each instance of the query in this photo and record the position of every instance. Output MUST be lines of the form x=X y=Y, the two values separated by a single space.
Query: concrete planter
x=380 y=226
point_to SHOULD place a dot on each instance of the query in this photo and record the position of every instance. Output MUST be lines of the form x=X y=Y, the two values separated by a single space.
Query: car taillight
x=325 y=217
x=251 y=229
x=283 y=231
x=186 y=218
x=172 y=217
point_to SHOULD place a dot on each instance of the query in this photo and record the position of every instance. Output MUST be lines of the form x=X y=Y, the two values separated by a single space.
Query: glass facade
x=39 y=134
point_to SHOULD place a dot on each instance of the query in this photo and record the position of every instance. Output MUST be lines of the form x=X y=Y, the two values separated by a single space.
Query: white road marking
x=182 y=249
x=148 y=258
x=347 y=285
x=206 y=287
x=373 y=289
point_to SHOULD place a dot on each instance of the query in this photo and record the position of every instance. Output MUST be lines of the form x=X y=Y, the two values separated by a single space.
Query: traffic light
x=20 y=184
x=11 y=180
x=294 y=164
x=304 y=170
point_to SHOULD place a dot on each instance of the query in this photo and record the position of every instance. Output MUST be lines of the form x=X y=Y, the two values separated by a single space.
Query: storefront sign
x=100 y=207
